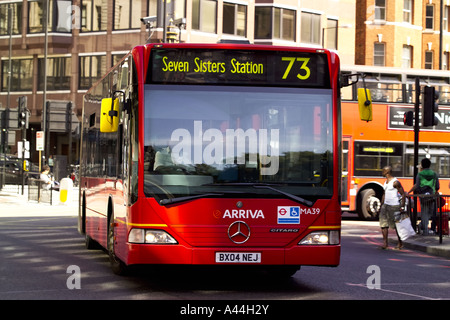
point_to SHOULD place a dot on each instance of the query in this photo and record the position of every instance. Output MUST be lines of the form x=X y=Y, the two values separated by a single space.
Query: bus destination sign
x=238 y=67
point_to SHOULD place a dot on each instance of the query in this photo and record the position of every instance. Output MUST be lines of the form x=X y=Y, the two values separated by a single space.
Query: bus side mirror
x=365 y=104
x=109 y=116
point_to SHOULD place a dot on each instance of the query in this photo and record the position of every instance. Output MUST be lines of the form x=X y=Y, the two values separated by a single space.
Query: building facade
x=403 y=33
x=86 y=37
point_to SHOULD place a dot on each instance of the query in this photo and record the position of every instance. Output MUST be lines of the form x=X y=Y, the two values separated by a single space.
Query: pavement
x=13 y=204
x=428 y=244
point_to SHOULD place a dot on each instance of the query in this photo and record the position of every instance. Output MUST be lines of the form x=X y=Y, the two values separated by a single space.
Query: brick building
x=403 y=33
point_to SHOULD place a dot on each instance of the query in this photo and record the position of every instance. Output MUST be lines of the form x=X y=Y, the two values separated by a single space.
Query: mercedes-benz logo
x=239 y=232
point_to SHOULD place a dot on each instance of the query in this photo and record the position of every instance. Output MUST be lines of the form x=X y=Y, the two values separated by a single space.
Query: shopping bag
x=405 y=229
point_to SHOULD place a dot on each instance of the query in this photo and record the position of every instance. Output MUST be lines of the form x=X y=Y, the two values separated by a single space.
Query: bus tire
x=369 y=206
x=117 y=266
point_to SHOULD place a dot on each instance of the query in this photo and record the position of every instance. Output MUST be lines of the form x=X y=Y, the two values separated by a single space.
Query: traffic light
x=408 y=118
x=2 y=118
x=429 y=107
x=23 y=118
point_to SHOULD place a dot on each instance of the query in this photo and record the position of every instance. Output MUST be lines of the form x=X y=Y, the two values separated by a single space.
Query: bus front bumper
x=317 y=255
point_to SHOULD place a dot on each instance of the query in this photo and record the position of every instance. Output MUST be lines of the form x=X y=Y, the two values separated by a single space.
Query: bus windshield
x=237 y=141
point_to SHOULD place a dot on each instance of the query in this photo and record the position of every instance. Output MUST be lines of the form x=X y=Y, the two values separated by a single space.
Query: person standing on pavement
x=391 y=205
x=427 y=183
x=47 y=181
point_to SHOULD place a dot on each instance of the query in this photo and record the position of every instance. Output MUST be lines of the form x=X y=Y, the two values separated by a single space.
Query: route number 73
x=305 y=71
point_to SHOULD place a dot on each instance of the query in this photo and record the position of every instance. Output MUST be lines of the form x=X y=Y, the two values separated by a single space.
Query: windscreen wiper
x=164 y=202
x=268 y=186
x=287 y=194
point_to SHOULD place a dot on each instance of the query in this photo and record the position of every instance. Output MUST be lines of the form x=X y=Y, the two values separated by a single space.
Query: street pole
x=70 y=132
x=8 y=103
x=164 y=21
x=8 y=99
x=44 y=108
x=416 y=144
x=23 y=164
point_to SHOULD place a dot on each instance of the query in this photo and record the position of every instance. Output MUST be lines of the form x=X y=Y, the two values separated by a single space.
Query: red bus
x=368 y=147
x=214 y=154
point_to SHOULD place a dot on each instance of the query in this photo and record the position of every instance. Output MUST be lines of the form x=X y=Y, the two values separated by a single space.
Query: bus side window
x=120 y=152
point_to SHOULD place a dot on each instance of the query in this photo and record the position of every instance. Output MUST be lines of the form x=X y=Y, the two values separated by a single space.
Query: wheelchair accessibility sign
x=288 y=215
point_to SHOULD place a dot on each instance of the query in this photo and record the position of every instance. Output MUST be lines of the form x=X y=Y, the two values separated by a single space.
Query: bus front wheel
x=370 y=205
x=117 y=266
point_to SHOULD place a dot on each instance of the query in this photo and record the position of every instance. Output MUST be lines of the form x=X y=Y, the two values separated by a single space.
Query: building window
x=285 y=24
x=234 y=19
x=331 y=31
x=379 y=54
x=180 y=9
x=310 y=32
x=127 y=14
x=21 y=74
x=91 y=69
x=59 y=16
x=115 y=58
x=407 y=11
x=445 y=60
x=16 y=18
x=407 y=57
x=35 y=16
x=429 y=17
x=94 y=14
x=428 y=60
x=380 y=10
x=445 y=19
x=263 y=22
x=204 y=14
x=58 y=73
x=274 y=23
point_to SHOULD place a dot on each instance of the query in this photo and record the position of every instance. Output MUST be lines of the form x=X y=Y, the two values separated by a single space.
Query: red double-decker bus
x=386 y=140
x=214 y=154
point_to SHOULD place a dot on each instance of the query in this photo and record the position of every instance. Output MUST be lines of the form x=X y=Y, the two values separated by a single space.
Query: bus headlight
x=150 y=236
x=330 y=237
